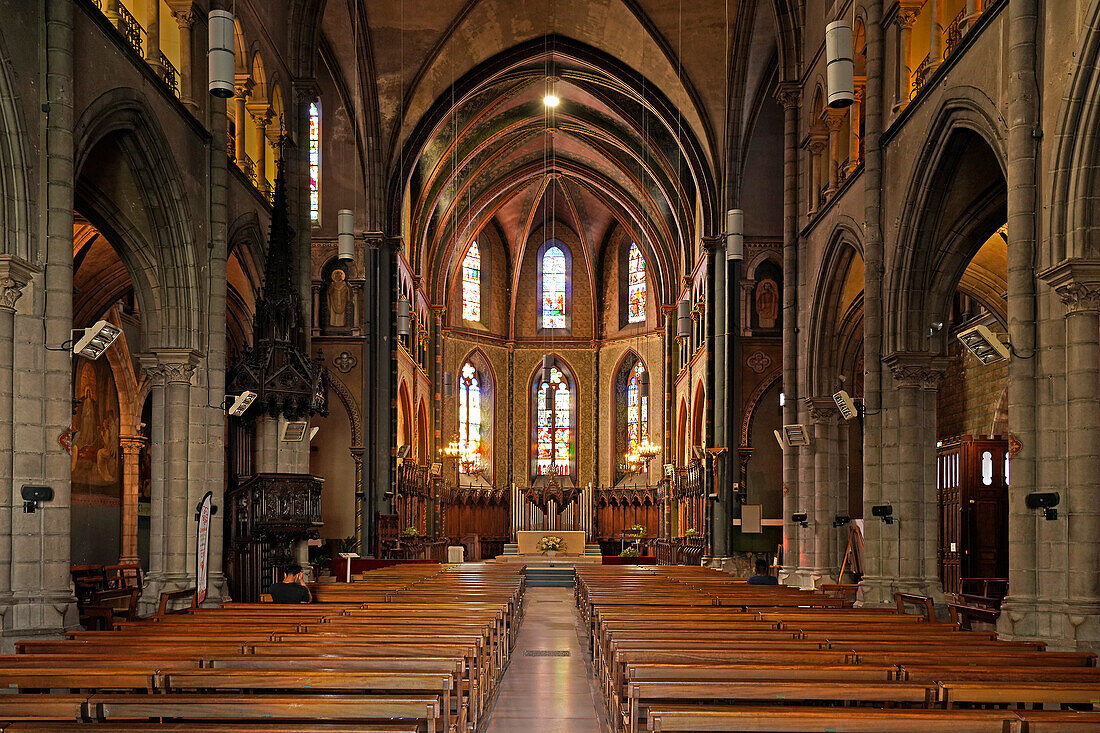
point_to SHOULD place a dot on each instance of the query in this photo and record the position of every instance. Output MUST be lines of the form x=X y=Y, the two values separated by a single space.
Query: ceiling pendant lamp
x=735 y=234
x=345 y=238
x=220 y=53
x=840 y=67
x=403 y=317
x=683 y=319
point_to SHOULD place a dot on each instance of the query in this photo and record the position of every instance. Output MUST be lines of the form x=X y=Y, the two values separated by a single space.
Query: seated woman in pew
x=762 y=577
x=292 y=589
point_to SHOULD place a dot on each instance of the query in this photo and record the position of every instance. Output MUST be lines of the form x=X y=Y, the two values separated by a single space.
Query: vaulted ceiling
x=453 y=122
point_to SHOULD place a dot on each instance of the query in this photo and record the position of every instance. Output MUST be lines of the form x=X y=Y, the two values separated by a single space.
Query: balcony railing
x=131 y=29
x=953 y=34
x=920 y=76
x=170 y=75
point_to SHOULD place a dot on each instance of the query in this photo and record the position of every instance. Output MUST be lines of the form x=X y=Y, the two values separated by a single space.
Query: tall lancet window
x=553 y=288
x=314 y=161
x=637 y=408
x=555 y=427
x=469 y=411
x=636 y=284
x=471 y=284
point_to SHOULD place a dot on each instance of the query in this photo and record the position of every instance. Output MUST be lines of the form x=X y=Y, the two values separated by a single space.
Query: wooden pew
x=424 y=711
x=820 y=720
x=643 y=694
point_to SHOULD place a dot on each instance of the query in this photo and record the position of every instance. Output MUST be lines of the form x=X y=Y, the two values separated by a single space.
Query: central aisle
x=542 y=692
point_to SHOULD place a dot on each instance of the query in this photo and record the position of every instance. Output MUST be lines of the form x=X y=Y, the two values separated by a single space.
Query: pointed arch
x=630 y=408
x=553 y=427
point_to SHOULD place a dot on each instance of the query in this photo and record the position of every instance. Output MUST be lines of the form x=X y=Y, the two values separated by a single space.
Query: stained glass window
x=637 y=408
x=471 y=284
x=553 y=288
x=636 y=284
x=555 y=427
x=469 y=411
x=314 y=161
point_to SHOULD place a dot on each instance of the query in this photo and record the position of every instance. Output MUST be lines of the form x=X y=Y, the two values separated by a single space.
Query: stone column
x=807 y=501
x=152 y=34
x=935 y=35
x=855 y=142
x=833 y=120
x=916 y=509
x=906 y=16
x=42 y=602
x=262 y=114
x=170 y=371
x=813 y=145
x=823 y=415
x=873 y=586
x=131 y=483
x=185 y=20
x=1077 y=283
x=110 y=9
x=14 y=275
x=242 y=91
x=789 y=95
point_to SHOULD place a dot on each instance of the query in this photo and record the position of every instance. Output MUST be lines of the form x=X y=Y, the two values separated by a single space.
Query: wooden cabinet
x=972 y=476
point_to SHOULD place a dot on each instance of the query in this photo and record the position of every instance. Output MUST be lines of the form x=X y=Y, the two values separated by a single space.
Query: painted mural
x=96 y=460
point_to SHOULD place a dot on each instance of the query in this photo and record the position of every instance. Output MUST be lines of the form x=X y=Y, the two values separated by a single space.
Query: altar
x=526 y=540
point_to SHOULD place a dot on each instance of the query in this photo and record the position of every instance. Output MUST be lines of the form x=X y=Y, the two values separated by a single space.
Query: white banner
x=204 y=546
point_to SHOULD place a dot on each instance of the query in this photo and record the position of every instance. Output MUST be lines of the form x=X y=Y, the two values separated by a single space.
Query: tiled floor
x=541 y=694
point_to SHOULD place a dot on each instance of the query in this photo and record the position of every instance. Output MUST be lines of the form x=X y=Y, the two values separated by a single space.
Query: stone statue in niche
x=767 y=303
x=338 y=296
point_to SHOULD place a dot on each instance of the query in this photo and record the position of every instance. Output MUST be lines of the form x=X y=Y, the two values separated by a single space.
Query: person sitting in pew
x=292 y=589
x=762 y=577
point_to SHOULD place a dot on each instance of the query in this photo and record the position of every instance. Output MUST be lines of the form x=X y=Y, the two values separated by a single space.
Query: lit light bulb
x=551 y=100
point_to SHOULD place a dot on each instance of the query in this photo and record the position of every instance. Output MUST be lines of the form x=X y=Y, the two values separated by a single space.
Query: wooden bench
x=170 y=599
x=643 y=694
x=821 y=720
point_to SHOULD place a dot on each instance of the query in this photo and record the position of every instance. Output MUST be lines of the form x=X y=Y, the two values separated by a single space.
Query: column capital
x=15 y=273
x=305 y=90
x=184 y=14
x=833 y=118
x=714 y=243
x=821 y=410
x=132 y=444
x=1077 y=283
x=907 y=13
x=374 y=240
x=170 y=366
x=916 y=370
x=261 y=112
x=789 y=94
x=243 y=86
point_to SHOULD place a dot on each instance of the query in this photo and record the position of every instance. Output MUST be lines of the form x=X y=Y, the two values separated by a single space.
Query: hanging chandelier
x=647 y=450
x=452 y=449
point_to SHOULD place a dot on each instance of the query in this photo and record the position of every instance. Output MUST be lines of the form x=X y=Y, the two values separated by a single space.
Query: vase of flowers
x=411 y=533
x=551 y=545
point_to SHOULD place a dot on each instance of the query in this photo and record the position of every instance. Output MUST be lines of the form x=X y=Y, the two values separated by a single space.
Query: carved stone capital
x=916 y=370
x=261 y=113
x=373 y=240
x=822 y=410
x=185 y=17
x=170 y=366
x=833 y=119
x=243 y=86
x=907 y=14
x=305 y=91
x=1077 y=282
x=788 y=95
x=131 y=445
x=15 y=273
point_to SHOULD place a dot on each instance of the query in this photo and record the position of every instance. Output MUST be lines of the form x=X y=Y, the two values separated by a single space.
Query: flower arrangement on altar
x=411 y=531
x=550 y=543
x=690 y=533
x=630 y=552
x=638 y=530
